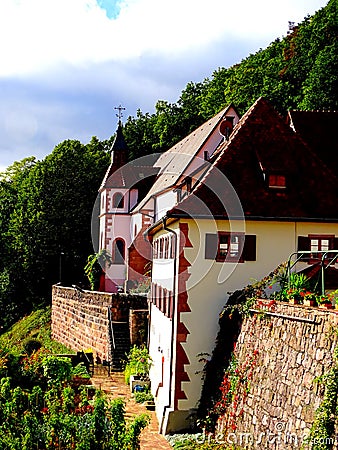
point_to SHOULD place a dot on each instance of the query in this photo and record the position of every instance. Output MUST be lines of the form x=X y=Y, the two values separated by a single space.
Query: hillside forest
x=46 y=206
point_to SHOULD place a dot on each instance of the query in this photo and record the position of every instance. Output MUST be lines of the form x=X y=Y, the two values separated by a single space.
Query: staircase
x=120 y=344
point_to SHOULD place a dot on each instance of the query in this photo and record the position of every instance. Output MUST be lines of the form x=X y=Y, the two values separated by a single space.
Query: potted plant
x=136 y=371
x=309 y=298
x=325 y=301
x=296 y=285
x=292 y=296
x=333 y=296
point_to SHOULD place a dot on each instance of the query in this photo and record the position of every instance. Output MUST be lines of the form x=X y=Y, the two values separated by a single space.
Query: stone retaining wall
x=282 y=355
x=80 y=318
x=137 y=321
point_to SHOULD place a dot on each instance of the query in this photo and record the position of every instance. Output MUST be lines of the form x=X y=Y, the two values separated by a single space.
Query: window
x=118 y=251
x=118 y=200
x=162 y=298
x=163 y=248
x=166 y=248
x=277 y=181
x=155 y=249
x=317 y=245
x=172 y=247
x=230 y=247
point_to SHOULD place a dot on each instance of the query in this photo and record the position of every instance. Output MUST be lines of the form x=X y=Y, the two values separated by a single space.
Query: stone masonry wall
x=80 y=318
x=138 y=326
x=281 y=354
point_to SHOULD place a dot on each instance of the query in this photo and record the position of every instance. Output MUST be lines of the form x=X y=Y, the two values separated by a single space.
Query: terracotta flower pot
x=294 y=301
x=310 y=302
x=326 y=306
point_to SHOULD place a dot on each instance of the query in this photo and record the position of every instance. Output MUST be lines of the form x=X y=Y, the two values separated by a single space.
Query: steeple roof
x=119 y=154
x=119 y=143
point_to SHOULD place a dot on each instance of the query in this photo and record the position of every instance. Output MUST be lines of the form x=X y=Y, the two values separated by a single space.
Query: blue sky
x=111 y=7
x=65 y=64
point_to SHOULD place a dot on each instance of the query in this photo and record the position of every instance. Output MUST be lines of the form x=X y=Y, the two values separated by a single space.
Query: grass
x=32 y=329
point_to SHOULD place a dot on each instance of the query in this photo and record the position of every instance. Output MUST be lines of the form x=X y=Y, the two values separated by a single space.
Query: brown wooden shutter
x=335 y=243
x=211 y=246
x=304 y=244
x=249 y=250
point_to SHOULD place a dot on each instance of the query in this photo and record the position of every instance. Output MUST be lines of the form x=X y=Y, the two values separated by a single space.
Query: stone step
x=121 y=344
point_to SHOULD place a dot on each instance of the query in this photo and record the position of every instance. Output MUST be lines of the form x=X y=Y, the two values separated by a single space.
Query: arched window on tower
x=118 y=251
x=118 y=200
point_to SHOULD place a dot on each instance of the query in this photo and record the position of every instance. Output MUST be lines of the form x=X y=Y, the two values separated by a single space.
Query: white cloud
x=40 y=34
x=64 y=64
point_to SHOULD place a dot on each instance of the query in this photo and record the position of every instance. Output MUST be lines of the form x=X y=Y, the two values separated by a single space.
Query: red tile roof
x=174 y=162
x=260 y=144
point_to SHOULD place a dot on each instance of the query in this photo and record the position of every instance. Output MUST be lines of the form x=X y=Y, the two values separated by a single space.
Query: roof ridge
x=212 y=122
x=232 y=136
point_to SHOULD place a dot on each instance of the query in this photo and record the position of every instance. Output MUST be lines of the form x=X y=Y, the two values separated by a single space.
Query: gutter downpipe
x=173 y=321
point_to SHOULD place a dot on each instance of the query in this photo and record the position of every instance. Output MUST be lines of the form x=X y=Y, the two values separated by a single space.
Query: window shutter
x=211 y=246
x=249 y=250
x=304 y=244
x=335 y=244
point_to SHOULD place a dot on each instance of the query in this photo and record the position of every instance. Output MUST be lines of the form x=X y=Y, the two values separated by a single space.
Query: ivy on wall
x=322 y=433
x=93 y=268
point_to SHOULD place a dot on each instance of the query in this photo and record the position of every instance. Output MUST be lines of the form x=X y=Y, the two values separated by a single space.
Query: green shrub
x=141 y=397
x=138 y=362
x=59 y=418
x=57 y=369
x=80 y=371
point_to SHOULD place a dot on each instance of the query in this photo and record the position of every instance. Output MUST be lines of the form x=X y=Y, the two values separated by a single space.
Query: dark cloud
x=77 y=102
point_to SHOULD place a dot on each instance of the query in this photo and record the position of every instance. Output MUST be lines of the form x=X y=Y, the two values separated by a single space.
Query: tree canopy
x=296 y=72
x=45 y=221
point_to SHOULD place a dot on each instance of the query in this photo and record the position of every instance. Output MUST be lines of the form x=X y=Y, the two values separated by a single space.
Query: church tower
x=117 y=198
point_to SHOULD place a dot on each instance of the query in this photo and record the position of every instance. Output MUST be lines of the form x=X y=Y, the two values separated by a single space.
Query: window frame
x=228 y=257
x=304 y=244
x=277 y=177
x=118 y=204
x=315 y=257
x=116 y=249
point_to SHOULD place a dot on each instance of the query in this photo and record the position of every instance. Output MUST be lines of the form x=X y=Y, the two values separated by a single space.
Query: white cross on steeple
x=120 y=109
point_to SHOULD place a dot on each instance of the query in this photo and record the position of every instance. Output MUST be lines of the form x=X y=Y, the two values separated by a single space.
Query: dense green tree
x=45 y=212
x=320 y=89
x=10 y=262
x=296 y=72
x=213 y=97
x=139 y=134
